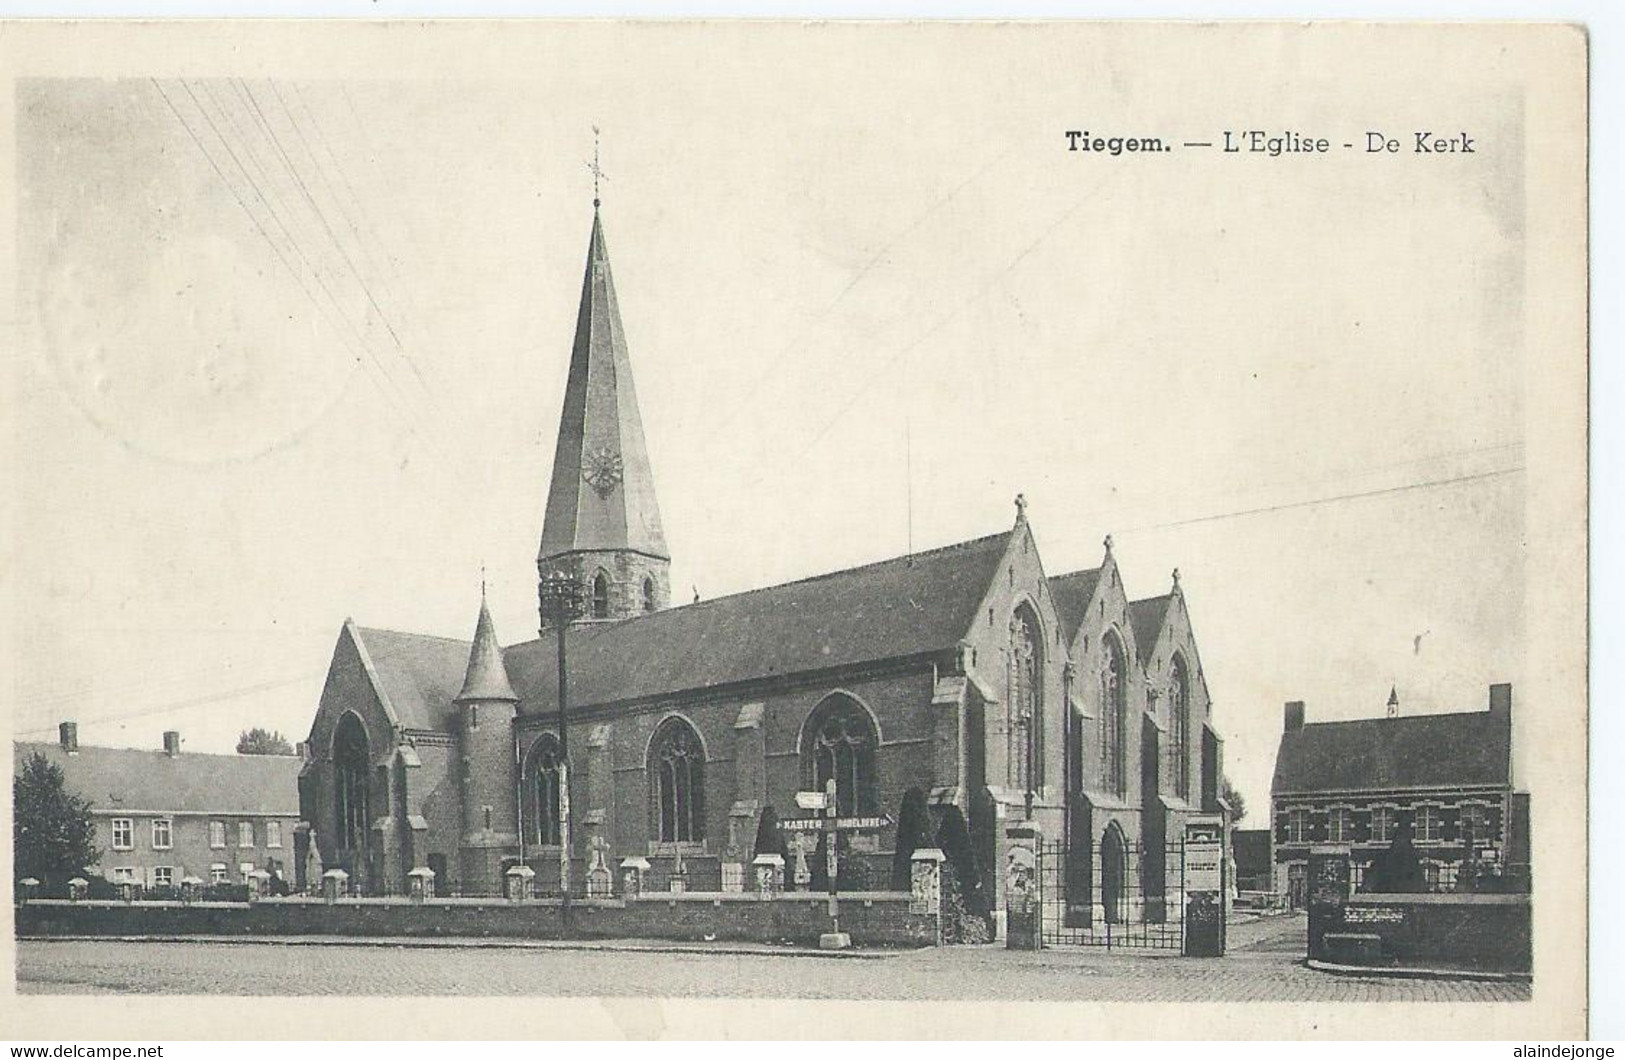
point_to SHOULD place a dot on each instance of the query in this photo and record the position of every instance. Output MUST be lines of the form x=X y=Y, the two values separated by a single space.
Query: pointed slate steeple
x=602 y=523
x=487 y=676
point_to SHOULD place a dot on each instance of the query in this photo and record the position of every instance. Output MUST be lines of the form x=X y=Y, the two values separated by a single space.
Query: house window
x=677 y=765
x=217 y=834
x=1025 y=702
x=1429 y=826
x=600 y=595
x=244 y=869
x=1297 y=826
x=217 y=873
x=124 y=874
x=838 y=744
x=542 y=791
x=123 y=833
x=245 y=833
x=163 y=876
x=162 y=835
x=1179 y=719
x=1475 y=826
x=1114 y=711
x=648 y=594
x=1340 y=826
x=273 y=833
x=1382 y=825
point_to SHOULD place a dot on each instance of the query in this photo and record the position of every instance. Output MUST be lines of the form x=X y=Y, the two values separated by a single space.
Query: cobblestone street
x=1263 y=965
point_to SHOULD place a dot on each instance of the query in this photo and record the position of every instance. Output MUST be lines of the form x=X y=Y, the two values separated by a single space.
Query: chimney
x=69 y=735
x=1294 y=715
x=1501 y=699
x=172 y=743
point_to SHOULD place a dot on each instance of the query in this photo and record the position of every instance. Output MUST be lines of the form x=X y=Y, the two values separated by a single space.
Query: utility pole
x=561 y=596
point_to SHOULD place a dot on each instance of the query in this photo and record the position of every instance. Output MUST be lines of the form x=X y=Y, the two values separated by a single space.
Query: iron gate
x=1116 y=895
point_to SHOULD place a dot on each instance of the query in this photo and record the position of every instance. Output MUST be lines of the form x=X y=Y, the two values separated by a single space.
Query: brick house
x=1352 y=783
x=965 y=673
x=163 y=815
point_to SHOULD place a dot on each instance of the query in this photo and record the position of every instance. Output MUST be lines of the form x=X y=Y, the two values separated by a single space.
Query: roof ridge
x=681 y=608
x=1075 y=573
x=1479 y=713
x=235 y=756
x=413 y=633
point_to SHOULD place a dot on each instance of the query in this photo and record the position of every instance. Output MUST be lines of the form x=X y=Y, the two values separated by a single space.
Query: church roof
x=487 y=677
x=1147 y=617
x=1072 y=593
x=420 y=675
x=896 y=608
x=1416 y=751
x=602 y=494
x=115 y=778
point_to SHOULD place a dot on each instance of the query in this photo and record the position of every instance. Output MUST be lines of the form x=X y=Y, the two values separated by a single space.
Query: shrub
x=965 y=908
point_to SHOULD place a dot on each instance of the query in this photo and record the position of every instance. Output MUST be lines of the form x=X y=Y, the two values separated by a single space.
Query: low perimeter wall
x=1481 y=932
x=880 y=918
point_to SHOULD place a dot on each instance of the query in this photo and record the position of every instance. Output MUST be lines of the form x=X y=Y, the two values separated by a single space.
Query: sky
x=294 y=351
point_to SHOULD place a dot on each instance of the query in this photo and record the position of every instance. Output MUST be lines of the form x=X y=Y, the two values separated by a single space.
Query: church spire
x=602 y=519
x=486 y=677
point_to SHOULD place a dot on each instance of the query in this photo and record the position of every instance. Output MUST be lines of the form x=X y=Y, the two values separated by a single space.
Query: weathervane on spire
x=595 y=168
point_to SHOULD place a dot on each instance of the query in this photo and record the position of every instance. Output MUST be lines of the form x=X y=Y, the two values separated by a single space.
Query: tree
x=258 y=741
x=55 y=839
x=1398 y=869
x=913 y=832
x=1238 y=805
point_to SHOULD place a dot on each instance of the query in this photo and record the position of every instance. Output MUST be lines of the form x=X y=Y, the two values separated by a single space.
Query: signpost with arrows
x=830 y=825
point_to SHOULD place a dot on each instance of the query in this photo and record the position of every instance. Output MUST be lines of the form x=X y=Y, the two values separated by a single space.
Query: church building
x=966 y=674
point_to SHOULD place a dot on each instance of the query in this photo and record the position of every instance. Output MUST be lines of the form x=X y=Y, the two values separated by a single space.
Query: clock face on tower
x=602 y=469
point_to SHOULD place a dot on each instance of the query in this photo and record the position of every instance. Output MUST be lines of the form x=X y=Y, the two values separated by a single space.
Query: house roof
x=113 y=778
x=1147 y=617
x=900 y=607
x=1415 y=751
x=1072 y=593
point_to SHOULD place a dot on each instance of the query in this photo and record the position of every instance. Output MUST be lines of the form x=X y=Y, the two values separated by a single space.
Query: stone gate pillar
x=769 y=874
x=1328 y=885
x=1023 y=912
x=925 y=886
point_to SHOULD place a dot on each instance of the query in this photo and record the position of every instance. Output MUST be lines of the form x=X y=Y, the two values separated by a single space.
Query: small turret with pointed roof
x=602 y=524
x=1393 y=701
x=486 y=678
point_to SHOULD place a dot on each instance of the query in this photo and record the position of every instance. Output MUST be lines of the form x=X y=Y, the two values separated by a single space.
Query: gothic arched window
x=1113 y=714
x=1025 y=702
x=600 y=595
x=1179 y=726
x=677 y=775
x=542 y=792
x=352 y=784
x=839 y=744
x=648 y=594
